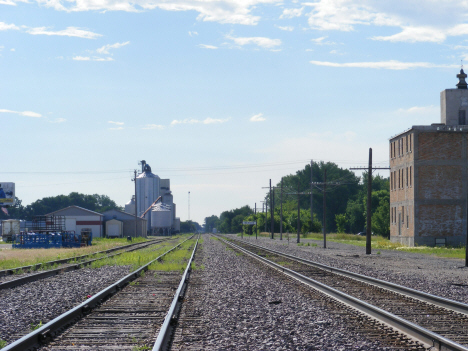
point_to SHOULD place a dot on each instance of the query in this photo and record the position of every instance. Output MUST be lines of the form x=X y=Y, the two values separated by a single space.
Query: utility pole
x=324 y=208
x=311 y=197
x=298 y=215
x=370 y=169
x=136 y=217
x=255 y=221
x=281 y=211
x=272 y=219
x=369 y=205
x=189 y=207
x=266 y=213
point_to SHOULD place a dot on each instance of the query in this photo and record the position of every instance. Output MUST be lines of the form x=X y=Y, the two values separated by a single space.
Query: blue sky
x=219 y=96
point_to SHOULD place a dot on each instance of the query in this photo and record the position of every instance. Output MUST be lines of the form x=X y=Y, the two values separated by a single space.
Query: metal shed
x=128 y=222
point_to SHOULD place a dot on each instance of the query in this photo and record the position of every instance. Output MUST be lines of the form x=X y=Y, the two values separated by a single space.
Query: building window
x=461 y=117
x=394 y=151
x=403 y=214
x=399 y=178
x=406 y=139
x=410 y=178
x=406 y=176
x=410 y=149
x=391 y=216
x=407 y=221
x=391 y=181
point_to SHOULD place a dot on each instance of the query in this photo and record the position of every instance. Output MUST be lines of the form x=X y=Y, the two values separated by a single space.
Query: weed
x=175 y=260
x=378 y=252
x=140 y=348
x=134 y=283
x=36 y=326
x=3 y=343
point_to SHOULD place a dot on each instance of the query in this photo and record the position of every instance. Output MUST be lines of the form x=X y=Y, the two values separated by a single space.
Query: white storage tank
x=161 y=216
x=130 y=206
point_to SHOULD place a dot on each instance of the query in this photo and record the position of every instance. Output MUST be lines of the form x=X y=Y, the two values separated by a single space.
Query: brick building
x=429 y=178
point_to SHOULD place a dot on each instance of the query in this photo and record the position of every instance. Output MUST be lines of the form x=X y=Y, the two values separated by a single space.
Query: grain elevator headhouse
x=429 y=177
x=150 y=192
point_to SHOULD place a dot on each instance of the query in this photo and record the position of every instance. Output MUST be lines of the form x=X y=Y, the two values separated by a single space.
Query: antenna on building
x=189 y=205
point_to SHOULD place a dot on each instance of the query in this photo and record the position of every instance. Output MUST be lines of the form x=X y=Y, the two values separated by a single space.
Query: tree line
x=346 y=201
x=95 y=202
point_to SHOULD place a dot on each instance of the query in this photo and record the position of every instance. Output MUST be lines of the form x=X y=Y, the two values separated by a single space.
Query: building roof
x=73 y=207
x=121 y=214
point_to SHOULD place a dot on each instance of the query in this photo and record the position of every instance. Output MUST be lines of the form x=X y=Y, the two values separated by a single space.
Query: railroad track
x=434 y=321
x=126 y=315
x=66 y=267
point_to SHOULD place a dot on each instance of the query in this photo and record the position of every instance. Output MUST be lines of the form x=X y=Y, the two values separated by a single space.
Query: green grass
x=3 y=343
x=25 y=257
x=136 y=259
x=175 y=260
x=381 y=243
x=36 y=326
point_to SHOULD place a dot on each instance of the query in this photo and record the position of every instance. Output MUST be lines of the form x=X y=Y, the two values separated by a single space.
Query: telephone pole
x=370 y=169
x=189 y=207
x=311 y=197
x=281 y=211
x=272 y=219
x=136 y=217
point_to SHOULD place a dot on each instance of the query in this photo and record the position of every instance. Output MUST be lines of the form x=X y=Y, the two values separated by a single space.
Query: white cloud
x=4 y=26
x=196 y=121
x=415 y=34
x=257 y=118
x=22 y=113
x=222 y=11
x=321 y=41
x=214 y=120
x=105 y=49
x=291 y=13
x=203 y=46
x=419 y=20
x=262 y=42
x=184 y=121
x=192 y=34
x=116 y=123
x=116 y=128
x=420 y=110
x=69 y=32
x=58 y=120
x=154 y=126
x=94 y=58
x=286 y=28
x=392 y=64
x=12 y=50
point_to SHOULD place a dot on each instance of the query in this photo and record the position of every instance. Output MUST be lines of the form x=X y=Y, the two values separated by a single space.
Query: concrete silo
x=130 y=206
x=148 y=190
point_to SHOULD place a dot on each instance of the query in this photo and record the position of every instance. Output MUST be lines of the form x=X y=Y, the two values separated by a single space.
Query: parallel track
x=446 y=329
x=71 y=267
x=127 y=321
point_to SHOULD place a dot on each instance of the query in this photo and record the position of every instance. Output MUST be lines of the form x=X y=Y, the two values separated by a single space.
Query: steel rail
x=164 y=335
x=415 y=331
x=42 y=275
x=52 y=328
x=420 y=295
x=36 y=266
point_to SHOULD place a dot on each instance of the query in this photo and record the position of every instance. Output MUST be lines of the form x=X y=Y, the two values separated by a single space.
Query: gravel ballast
x=439 y=276
x=43 y=300
x=248 y=306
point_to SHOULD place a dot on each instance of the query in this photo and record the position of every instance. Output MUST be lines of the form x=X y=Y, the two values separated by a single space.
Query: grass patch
x=136 y=259
x=36 y=326
x=3 y=343
x=381 y=243
x=25 y=257
x=175 y=260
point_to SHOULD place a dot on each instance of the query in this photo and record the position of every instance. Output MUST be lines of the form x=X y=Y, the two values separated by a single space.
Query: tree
x=211 y=223
x=341 y=222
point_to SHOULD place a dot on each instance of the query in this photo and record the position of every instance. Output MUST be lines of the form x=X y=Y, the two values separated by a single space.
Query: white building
x=77 y=218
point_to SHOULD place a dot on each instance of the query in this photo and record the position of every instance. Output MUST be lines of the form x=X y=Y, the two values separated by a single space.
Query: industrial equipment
x=10 y=227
